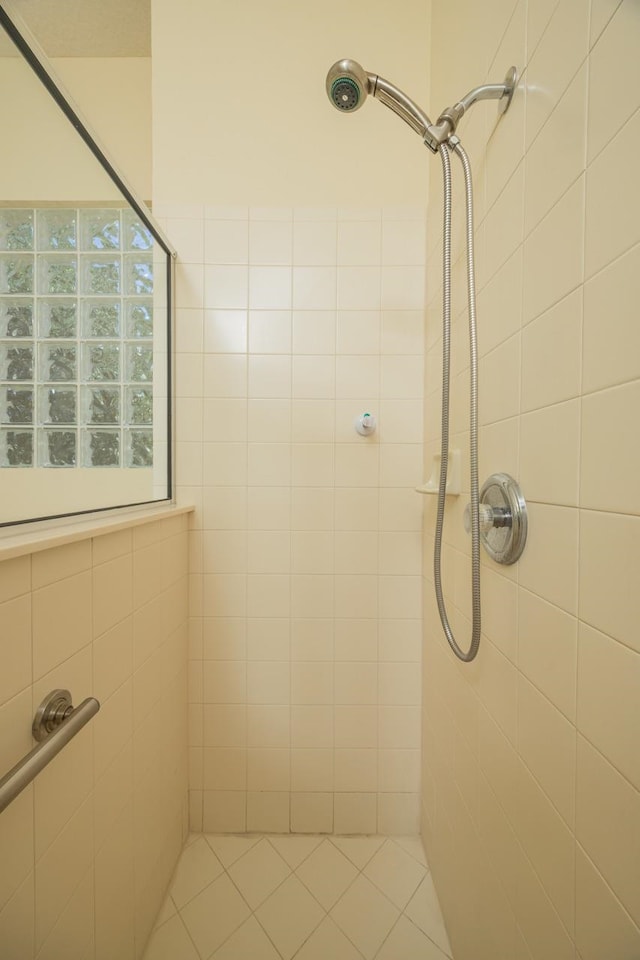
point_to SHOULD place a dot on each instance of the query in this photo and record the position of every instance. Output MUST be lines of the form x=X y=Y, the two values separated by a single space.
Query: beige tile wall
x=306 y=590
x=89 y=847
x=531 y=803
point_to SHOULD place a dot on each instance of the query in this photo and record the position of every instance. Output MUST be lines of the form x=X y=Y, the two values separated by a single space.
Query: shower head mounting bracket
x=447 y=123
x=510 y=80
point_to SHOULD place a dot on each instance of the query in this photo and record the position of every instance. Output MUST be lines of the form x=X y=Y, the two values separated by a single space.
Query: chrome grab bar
x=56 y=722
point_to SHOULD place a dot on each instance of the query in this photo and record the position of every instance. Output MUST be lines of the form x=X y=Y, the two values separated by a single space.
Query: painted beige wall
x=46 y=492
x=89 y=847
x=114 y=94
x=531 y=803
x=48 y=160
x=241 y=115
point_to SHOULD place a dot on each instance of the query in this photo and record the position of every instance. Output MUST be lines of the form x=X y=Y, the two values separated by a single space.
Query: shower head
x=348 y=85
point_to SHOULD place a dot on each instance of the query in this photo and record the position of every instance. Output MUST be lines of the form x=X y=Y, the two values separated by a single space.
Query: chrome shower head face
x=347 y=85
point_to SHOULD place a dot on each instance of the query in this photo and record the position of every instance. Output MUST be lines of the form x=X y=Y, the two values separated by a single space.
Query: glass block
x=58 y=448
x=102 y=361
x=57 y=275
x=16 y=318
x=100 y=319
x=17 y=362
x=58 y=404
x=139 y=448
x=100 y=229
x=101 y=276
x=16 y=229
x=139 y=404
x=139 y=363
x=16 y=404
x=58 y=361
x=57 y=230
x=140 y=319
x=16 y=273
x=138 y=276
x=102 y=448
x=137 y=236
x=57 y=318
x=101 y=404
x=16 y=448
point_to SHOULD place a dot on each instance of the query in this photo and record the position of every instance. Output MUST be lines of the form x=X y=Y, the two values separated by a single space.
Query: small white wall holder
x=366 y=424
x=454 y=475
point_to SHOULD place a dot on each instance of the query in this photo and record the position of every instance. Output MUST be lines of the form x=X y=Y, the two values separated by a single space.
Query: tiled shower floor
x=302 y=897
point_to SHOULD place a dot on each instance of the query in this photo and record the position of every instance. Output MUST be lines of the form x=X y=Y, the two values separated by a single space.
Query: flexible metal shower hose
x=456 y=147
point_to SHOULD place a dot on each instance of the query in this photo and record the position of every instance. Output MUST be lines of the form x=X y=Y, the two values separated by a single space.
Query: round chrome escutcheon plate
x=505 y=542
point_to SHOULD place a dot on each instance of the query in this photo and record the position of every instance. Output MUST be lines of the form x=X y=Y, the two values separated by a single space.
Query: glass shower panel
x=85 y=288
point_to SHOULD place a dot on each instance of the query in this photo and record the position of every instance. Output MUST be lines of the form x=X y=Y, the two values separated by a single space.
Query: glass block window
x=76 y=338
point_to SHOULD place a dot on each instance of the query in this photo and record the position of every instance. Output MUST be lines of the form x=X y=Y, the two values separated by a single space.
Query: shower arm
x=446 y=124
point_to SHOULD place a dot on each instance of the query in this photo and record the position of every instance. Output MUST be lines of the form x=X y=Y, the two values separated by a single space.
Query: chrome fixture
x=54 y=709
x=502 y=517
x=349 y=84
x=55 y=723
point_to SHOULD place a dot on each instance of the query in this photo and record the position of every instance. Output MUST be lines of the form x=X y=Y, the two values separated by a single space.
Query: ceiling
x=86 y=28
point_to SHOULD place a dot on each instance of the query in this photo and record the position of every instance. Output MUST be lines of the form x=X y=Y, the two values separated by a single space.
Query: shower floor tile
x=300 y=898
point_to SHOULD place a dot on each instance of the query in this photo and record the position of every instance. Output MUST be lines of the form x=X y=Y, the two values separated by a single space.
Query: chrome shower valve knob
x=502 y=515
x=489 y=517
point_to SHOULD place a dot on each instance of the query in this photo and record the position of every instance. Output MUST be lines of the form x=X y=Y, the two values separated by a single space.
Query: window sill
x=45 y=534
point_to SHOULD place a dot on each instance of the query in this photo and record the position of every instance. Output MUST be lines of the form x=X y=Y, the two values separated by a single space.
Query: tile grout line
x=292 y=871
